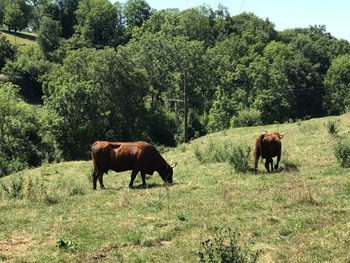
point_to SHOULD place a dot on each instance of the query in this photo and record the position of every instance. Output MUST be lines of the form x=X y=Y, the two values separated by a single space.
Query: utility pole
x=185 y=102
x=185 y=107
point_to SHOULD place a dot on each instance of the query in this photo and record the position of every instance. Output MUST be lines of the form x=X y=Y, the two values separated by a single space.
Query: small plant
x=197 y=153
x=332 y=127
x=181 y=217
x=76 y=190
x=342 y=152
x=65 y=243
x=239 y=157
x=226 y=248
x=15 y=187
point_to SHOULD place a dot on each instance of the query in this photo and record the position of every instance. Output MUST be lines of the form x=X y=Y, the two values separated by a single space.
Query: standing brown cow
x=268 y=146
x=123 y=156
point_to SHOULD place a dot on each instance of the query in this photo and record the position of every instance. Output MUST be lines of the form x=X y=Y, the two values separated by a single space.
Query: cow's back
x=270 y=146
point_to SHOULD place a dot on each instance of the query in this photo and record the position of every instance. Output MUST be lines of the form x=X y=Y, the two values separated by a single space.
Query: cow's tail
x=258 y=152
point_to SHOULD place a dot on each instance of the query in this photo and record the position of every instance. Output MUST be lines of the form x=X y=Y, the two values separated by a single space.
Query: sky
x=334 y=14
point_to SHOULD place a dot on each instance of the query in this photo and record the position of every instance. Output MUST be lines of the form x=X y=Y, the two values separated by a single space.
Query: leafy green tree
x=7 y=51
x=95 y=94
x=337 y=82
x=22 y=143
x=97 y=23
x=26 y=71
x=221 y=112
x=14 y=17
x=63 y=11
x=136 y=12
x=273 y=91
x=49 y=35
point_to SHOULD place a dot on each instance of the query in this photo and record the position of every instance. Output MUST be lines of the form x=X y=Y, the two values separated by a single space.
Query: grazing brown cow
x=268 y=146
x=123 y=156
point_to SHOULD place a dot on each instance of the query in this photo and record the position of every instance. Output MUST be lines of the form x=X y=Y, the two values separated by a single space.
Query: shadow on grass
x=19 y=34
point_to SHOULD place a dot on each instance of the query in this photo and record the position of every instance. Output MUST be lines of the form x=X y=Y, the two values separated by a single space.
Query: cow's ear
x=172 y=165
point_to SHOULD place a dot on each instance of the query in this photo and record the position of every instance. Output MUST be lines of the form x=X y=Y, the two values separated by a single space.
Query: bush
x=342 y=152
x=226 y=248
x=239 y=157
x=15 y=187
x=246 y=118
x=236 y=154
x=332 y=127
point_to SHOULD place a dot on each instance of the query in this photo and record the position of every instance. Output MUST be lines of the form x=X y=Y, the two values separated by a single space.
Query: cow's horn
x=173 y=164
x=284 y=133
x=265 y=131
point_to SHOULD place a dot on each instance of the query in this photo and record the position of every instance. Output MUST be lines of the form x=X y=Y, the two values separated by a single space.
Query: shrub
x=236 y=154
x=332 y=127
x=15 y=187
x=226 y=248
x=239 y=157
x=197 y=153
x=246 y=117
x=342 y=152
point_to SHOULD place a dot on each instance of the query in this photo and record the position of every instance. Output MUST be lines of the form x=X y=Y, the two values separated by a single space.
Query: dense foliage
x=125 y=71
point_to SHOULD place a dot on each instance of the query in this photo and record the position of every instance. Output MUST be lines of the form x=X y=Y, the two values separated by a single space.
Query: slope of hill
x=20 y=38
x=293 y=216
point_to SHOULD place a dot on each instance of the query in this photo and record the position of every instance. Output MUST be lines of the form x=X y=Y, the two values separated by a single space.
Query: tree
x=7 y=51
x=26 y=71
x=22 y=142
x=337 y=82
x=14 y=17
x=136 y=12
x=97 y=23
x=95 y=94
x=49 y=35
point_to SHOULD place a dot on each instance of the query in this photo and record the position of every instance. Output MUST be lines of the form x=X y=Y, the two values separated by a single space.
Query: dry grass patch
x=18 y=246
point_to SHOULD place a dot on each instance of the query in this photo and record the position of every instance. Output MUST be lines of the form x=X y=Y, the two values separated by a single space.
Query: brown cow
x=268 y=146
x=123 y=156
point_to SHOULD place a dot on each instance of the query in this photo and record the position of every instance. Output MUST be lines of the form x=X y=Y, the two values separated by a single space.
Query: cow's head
x=169 y=173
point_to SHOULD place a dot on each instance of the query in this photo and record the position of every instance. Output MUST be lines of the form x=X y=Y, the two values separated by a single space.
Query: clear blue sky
x=334 y=14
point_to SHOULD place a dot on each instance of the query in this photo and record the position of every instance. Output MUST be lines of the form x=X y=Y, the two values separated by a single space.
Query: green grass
x=22 y=38
x=296 y=215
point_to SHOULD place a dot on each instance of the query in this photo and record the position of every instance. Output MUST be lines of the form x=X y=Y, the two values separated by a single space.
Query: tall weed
x=226 y=247
x=239 y=157
x=332 y=127
x=14 y=189
x=341 y=151
x=236 y=154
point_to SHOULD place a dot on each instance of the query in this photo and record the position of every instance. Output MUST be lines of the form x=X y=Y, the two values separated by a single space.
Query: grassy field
x=293 y=216
x=21 y=38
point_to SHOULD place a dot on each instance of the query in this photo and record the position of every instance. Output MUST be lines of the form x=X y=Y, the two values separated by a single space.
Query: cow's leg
x=143 y=176
x=267 y=164
x=133 y=176
x=271 y=162
x=278 y=161
x=94 y=179
x=100 y=179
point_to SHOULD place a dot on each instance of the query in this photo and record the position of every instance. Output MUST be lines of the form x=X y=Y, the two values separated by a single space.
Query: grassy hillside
x=295 y=216
x=21 y=38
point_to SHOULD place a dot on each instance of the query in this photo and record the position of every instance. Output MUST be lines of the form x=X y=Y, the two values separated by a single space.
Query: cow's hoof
x=131 y=187
x=144 y=186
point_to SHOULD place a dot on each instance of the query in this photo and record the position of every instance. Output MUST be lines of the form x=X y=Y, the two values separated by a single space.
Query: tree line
x=118 y=72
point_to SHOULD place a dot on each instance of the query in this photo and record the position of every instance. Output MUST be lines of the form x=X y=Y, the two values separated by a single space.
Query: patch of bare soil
x=16 y=247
